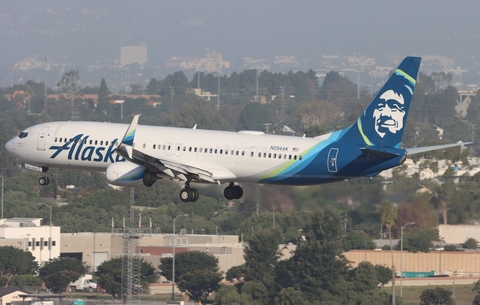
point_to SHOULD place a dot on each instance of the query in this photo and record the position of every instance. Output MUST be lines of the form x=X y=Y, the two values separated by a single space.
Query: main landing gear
x=44 y=180
x=189 y=194
x=233 y=191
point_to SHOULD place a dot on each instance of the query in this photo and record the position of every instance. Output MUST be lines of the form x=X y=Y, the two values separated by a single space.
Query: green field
x=411 y=294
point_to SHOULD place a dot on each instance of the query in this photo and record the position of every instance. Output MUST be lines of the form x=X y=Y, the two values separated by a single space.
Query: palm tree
x=388 y=215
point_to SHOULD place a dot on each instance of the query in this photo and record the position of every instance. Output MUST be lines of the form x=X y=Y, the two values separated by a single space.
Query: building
x=11 y=296
x=29 y=235
x=95 y=248
x=133 y=54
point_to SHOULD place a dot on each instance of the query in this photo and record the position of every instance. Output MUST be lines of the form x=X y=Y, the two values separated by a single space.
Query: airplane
x=136 y=155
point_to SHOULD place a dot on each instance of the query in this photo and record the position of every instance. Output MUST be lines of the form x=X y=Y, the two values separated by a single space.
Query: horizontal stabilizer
x=378 y=154
x=417 y=150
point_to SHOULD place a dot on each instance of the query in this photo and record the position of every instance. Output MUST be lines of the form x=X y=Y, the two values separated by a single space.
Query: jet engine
x=125 y=174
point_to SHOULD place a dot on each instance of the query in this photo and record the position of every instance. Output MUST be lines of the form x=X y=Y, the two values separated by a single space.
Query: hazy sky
x=89 y=31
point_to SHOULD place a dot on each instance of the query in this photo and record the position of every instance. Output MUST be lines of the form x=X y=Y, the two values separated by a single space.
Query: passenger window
x=237 y=152
x=144 y=145
x=215 y=151
x=211 y=150
x=101 y=142
x=289 y=157
x=251 y=154
x=264 y=155
x=195 y=149
x=274 y=156
x=184 y=148
x=55 y=139
x=300 y=157
x=168 y=147
x=295 y=157
x=96 y=142
x=269 y=155
x=90 y=142
x=221 y=151
x=106 y=143
x=259 y=154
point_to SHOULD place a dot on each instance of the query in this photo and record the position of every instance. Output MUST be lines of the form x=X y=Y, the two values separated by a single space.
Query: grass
x=411 y=294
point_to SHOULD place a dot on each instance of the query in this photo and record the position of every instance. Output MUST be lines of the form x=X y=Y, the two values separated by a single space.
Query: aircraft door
x=178 y=149
x=42 y=138
x=332 y=160
x=168 y=149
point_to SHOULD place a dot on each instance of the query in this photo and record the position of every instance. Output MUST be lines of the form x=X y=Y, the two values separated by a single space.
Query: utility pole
x=282 y=93
x=172 y=93
x=267 y=125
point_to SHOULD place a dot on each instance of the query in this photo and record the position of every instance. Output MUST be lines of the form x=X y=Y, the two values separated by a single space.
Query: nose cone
x=10 y=146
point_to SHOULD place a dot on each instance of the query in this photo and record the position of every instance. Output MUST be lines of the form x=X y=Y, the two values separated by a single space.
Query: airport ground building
x=95 y=248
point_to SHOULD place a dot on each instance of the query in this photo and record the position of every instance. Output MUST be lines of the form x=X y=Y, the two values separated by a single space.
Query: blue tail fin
x=383 y=122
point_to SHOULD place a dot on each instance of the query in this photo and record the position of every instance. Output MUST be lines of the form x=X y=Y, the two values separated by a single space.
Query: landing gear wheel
x=186 y=195
x=44 y=180
x=195 y=195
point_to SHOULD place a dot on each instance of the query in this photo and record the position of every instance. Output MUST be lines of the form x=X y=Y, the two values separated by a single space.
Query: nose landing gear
x=44 y=180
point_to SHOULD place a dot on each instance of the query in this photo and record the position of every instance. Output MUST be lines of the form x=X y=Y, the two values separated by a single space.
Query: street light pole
x=173 y=261
x=401 y=256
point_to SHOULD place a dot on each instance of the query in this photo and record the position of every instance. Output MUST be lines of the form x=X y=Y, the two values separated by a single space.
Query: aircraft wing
x=172 y=169
x=417 y=150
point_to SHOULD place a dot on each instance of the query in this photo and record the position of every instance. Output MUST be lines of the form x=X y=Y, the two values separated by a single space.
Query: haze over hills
x=88 y=34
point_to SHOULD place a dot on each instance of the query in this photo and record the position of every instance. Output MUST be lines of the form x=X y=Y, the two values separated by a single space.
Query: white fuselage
x=229 y=156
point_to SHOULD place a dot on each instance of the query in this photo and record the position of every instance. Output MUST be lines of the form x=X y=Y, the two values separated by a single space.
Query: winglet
x=129 y=137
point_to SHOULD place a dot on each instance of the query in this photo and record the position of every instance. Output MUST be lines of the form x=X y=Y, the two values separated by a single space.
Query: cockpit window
x=23 y=135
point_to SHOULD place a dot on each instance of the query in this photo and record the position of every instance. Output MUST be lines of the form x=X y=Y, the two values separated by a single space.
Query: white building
x=133 y=54
x=28 y=234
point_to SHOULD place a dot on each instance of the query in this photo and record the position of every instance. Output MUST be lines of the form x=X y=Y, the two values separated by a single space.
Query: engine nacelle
x=125 y=174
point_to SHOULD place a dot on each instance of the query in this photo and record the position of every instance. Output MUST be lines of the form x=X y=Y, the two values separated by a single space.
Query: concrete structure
x=465 y=264
x=11 y=296
x=94 y=248
x=28 y=234
x=458 y=234
x=133 y=54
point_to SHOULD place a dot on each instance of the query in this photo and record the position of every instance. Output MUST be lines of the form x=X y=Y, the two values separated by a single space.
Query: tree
x=471 y=243
x=57 y=273
x=319 y=113
x=437 y=296
x=318 y=267
x=198 y=284
x=15 y=261
x=187 y=262
x=358 y=240
x=236 y=272
x=261 y=256
x=110 y=273
x=388 y=215
x=384 y=274
x=103 y=96
x=253 y=116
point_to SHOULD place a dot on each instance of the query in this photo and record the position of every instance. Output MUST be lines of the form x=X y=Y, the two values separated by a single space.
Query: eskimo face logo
x=389 y=113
